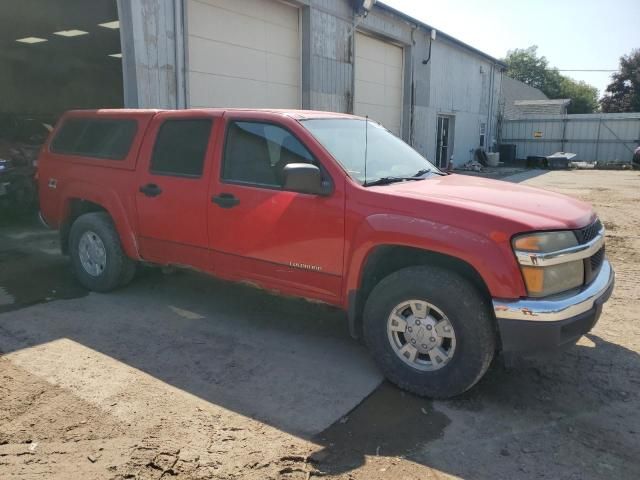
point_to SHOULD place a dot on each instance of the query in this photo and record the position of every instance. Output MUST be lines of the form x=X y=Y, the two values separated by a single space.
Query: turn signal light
x=529 y=243
x=534 y=279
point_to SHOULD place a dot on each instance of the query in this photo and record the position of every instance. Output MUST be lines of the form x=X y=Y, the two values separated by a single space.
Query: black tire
x=468 y=312
x=119 y=269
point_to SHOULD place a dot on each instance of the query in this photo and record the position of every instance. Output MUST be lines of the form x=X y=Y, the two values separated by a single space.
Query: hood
x=533 y=208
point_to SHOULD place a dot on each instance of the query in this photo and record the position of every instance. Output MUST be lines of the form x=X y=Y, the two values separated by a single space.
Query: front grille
x=592 y=264
x=588 y=233
x=596 y=259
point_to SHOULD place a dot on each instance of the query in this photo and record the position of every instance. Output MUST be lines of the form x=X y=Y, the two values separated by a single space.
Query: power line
x=582 y=70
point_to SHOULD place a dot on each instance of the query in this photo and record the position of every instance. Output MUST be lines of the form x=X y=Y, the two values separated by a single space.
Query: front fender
x=491 y=257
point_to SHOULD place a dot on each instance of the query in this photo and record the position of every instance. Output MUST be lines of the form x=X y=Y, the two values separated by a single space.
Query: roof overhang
x=428 y=27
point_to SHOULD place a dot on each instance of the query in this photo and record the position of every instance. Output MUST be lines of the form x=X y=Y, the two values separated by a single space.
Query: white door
x=243 y=53
x=378 y=86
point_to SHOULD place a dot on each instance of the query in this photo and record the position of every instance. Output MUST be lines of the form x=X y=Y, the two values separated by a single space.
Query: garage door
x=378 y=88
x=243 y=53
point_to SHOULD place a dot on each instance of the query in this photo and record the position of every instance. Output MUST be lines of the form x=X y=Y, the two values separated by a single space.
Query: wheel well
x=386 y=259
x=77 y=207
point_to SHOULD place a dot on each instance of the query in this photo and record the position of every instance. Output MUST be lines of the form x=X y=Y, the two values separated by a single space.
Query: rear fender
x=111 y=202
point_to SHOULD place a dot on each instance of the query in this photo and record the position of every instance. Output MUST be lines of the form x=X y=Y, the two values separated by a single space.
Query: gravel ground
x=181 y=376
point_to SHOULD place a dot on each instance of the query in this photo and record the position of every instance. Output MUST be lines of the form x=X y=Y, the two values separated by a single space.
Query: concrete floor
x=285 y=362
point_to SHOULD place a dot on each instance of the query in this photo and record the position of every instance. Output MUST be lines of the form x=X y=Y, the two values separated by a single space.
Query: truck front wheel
x=430 y=331
x=97 y=258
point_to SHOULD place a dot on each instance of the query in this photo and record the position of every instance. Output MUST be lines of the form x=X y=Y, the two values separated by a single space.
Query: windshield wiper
x=388 y=180
x=424 y=171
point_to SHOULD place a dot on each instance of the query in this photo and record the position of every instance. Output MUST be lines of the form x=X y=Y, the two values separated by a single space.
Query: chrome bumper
x=558 y=307
x=570 y=254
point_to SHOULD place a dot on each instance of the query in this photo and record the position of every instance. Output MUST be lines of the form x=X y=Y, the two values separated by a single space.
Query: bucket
x=493 y=159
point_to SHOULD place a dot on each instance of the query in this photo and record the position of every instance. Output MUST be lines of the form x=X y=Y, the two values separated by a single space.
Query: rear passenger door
x=171 y=191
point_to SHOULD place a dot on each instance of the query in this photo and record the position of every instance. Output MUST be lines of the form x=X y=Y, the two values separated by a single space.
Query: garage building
x=434 y=91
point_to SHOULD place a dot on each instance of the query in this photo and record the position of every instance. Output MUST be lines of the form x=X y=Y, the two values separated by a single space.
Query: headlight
x=543 y=281
x=4 y=164
x=545 y=242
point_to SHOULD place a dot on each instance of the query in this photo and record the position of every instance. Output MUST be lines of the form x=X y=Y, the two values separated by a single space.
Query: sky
x=572 y=34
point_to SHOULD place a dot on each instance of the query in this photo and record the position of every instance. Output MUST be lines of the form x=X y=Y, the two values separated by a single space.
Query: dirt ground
x=181 y=376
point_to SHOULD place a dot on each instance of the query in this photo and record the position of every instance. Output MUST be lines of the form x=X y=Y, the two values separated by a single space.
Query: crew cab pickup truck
x=437 y=272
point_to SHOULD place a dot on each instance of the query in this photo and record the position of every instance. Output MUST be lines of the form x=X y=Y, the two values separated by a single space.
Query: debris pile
x=471 y=166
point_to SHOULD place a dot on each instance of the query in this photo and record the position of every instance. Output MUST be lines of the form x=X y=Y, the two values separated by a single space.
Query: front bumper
x=43 y=222
x=533 y=325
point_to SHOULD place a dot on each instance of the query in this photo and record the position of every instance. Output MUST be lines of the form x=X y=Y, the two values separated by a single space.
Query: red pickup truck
x=436 y=272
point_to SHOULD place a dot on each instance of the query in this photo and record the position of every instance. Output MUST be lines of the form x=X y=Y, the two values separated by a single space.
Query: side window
x=257 y=153
x=98 y=138
x=180 y=147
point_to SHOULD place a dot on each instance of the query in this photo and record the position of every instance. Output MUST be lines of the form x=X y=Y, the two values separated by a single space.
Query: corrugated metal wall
x=461 y=86
x=149 y=53
x=605 y=137
x=329 y=81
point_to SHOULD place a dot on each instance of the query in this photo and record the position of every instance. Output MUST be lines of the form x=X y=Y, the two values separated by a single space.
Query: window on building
x=99 y=138
x=483 y=133
x=180 y=147
x=257 y=153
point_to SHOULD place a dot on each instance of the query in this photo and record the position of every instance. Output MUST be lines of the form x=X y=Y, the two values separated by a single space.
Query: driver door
x=289 y=241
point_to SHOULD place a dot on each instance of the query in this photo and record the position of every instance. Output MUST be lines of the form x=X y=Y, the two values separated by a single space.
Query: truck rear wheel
x=430 y=331
x=97 y=258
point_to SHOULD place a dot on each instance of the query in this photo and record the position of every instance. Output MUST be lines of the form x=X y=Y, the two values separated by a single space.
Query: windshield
x=387 y=155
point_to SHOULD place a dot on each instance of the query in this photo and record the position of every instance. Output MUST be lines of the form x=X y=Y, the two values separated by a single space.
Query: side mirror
x=305 y=178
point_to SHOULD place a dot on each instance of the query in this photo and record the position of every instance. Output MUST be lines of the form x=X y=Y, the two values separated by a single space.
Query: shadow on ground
x=31 y=269
x=577 y=412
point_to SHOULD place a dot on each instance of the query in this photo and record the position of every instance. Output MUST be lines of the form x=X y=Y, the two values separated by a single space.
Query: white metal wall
x=243 y=53
x=465 y=86
x=604 y=137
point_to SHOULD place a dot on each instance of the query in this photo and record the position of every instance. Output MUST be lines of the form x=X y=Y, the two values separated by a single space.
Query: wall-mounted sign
x=537 y=134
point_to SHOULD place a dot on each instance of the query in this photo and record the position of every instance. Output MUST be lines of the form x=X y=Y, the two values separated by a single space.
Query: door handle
x=151 y=190
x=225 y=200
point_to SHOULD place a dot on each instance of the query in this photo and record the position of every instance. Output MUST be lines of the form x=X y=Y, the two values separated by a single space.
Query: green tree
x=553 y=85
x=623 y=93
x=584 y=97
x=525 y=65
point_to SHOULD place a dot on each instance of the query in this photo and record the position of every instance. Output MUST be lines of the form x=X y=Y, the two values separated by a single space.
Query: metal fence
x=605 y=137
